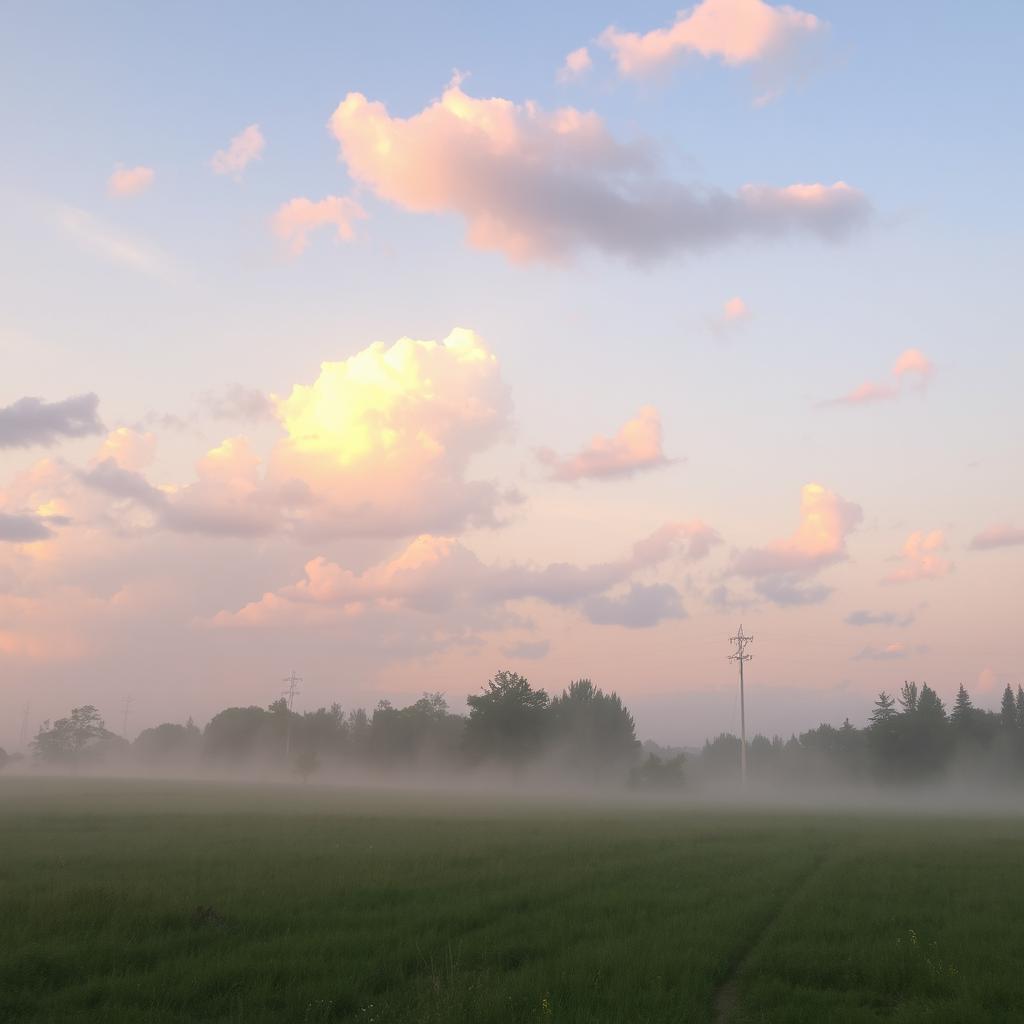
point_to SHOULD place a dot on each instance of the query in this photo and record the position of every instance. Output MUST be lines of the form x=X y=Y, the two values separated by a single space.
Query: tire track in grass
x=726 y=1000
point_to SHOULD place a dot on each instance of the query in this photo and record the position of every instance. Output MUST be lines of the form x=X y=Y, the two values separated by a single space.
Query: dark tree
x=591 y=730
x=73 y=739
x=908 y=697
x=167 y=743
x=506 y=720
x=424 y=732
x=237 y=734
x=884 y=736
x=1020 y=706
x=1008 y=710
x=962 y=715
x=884 y=710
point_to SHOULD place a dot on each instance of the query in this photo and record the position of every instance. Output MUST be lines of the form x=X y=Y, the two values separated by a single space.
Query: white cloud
x=546 y=185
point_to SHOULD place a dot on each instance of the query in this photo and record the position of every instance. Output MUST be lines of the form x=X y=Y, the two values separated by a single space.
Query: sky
x=397 y=344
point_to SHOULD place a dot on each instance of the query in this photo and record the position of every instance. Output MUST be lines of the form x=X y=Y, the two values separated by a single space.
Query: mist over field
x=511 y=513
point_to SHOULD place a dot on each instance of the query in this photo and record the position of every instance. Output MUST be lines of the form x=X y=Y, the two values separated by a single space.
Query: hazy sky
x=397 y=344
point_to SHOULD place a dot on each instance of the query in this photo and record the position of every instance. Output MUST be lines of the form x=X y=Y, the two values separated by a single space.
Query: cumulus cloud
x=575 y=65
x=130 y=181
x=544 y=185
x=781 y=569
x=863 y=617
x=378 y=445
x=920 y=558
x=1001 y=535
x=31 y=421
x=127 y=448
x=434 y=575
x=637 y=446
x=912 y=369
x=826 y=520
x=246 y=146
x=297 y=219
x=641 y=607
x=735 y=31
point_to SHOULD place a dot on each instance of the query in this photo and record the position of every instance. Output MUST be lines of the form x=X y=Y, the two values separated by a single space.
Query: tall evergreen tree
x=884 y=710
x=908 y=697
x=1020 y=706
x=1008 y=710
x=962 y=715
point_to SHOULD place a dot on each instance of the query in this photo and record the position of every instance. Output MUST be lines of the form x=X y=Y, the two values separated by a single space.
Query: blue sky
x=913 y=104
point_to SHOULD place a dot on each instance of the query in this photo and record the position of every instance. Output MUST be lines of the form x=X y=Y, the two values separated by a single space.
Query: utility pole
x=293 y=688
x=741 y=642
x=124 y=722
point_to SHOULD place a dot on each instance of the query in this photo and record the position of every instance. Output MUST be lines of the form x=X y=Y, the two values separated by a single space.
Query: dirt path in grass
x=728 y=995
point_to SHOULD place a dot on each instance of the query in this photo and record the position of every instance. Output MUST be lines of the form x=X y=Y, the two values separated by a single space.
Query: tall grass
x=168 y=902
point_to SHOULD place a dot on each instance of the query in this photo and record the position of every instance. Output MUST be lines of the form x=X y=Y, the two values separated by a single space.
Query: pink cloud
x=127 y=448
x=440 y=576
x=1000 y=535
x=246 y=146
x=576 y=64
x=735 y=31
x=920 y=558
x=734 y=310
x=543 y=185
x=635 y=447
x=826 y=520
x=915 y=364
x=912 y=364
x=377 y=445
x=298 y=218
x=130 y=181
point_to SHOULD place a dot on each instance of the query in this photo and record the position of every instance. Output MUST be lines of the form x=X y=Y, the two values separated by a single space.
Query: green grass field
x=322 y=905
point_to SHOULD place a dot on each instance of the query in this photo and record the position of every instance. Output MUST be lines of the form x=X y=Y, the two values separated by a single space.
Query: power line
x=741 y=642
x=293 y=689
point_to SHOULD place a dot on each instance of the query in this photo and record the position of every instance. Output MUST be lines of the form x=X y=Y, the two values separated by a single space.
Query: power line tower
x=293 y=689
x=741 y=656
x=124 y=721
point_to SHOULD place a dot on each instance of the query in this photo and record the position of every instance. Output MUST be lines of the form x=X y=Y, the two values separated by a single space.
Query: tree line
x=910 y=738
x=582 y=734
